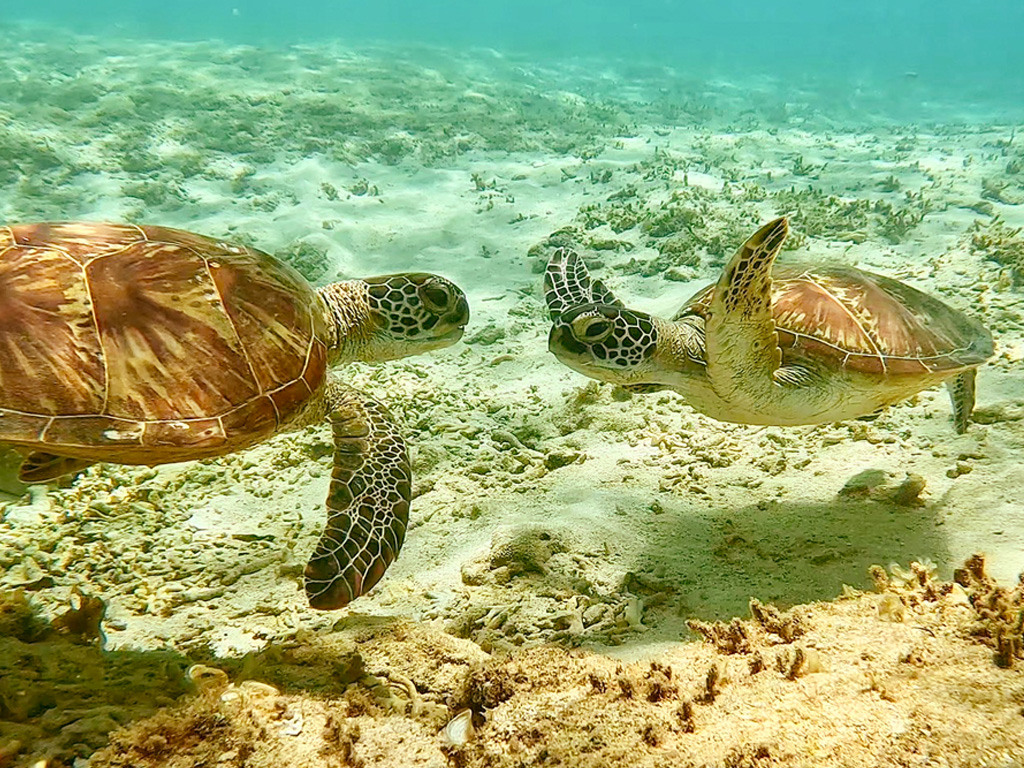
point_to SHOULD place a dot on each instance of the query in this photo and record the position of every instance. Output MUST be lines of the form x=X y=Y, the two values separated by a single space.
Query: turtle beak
x=455 y=321
x=459 y=316
x=555 y=338
x=562 y=342
x=447 y=339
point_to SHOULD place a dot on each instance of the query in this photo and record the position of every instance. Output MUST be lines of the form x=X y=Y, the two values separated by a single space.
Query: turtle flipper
x=961 y=395
x=368 y=501
x=743 y=351
x=41 y=467
x=567 y=283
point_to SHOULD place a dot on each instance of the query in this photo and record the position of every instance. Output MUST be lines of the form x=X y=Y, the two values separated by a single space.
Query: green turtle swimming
x=149 y=345
x=767 y=345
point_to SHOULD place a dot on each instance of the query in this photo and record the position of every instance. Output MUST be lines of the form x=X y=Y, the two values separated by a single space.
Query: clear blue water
x=948 y=44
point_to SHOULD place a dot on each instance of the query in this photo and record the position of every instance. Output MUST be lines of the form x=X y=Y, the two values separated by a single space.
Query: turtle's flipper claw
x=367 y=505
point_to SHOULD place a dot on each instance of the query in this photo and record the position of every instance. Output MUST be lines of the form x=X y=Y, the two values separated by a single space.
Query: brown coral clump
x=1000 y=610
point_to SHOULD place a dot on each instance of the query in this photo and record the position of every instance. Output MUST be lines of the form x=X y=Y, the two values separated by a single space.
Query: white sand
x=767 y=520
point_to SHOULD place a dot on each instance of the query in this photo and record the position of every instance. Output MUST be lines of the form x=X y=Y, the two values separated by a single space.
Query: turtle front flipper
x=567 y=284
x=40 y=467
x=743 y=355
x=368 y=501
x=961 y=394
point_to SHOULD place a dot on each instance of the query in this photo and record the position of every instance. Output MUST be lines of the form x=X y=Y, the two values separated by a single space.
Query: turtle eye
x=437 y=297
x=591 y=329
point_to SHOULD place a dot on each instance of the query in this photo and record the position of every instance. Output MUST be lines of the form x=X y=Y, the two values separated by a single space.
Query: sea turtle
x=793 y=345
x=148 y=345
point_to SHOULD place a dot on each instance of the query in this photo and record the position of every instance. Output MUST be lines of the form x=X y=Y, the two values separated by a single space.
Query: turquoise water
x=956 y=50
x=471 y=139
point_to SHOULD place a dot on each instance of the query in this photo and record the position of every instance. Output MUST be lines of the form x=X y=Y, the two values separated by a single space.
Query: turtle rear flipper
x=40 y=467
x=367 y=505
x=961 y=394
x=744 y=358
x=567 y=284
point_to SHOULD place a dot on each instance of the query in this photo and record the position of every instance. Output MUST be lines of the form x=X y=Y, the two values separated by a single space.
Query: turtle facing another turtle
x=766 y=345
x=149 y=345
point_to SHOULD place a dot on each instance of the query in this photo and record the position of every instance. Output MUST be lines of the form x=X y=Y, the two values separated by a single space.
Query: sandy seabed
x=565 y=536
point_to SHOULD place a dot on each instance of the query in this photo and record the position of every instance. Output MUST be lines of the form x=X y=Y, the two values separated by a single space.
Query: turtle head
x=415 y=312
x=607 y=343
x=393 y=316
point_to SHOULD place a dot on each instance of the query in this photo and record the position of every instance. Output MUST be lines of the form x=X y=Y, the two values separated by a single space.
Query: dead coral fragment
x=786 y=625
x=194 y=731
x=525 y=549
x=914 y=586
x=84 y=618
x=908 y=492
x=711 y=685
x=654 y=685
x=798 y=662
x=685 y=715
x=727 y=638
x=749 y=757
x=879 y=485
x=864 y=484
x=1000 y=243
x=891 y=608
x=736 y=637
x=660 y=685
x=879 y=578
x=1000 y=611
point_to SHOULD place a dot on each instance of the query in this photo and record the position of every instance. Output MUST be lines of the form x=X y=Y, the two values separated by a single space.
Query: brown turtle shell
x=145 y=345
x=847 y=317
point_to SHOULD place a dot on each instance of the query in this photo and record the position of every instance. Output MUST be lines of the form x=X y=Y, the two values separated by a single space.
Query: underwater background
x=959 y=51
x=581 y=561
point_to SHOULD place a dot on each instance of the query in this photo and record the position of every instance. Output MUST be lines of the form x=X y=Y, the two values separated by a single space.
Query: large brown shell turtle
x=148 y=345
x=769 y=345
